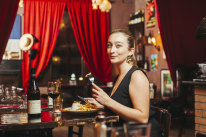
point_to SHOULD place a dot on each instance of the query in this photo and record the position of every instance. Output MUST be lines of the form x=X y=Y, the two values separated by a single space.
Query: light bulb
x=153 y=40
x=102 y=6
x=109 y=6
x=94 y=6
x=98 y=2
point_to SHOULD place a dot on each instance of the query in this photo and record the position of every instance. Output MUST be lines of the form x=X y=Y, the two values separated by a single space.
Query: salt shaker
x=100 y=128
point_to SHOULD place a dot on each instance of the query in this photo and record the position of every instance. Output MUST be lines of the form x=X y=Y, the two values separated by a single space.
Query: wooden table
x=16 y=121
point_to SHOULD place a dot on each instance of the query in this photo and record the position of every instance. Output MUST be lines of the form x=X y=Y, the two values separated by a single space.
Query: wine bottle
x=33 y=97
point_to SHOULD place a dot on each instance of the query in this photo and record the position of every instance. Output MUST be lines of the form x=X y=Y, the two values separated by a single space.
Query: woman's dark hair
x=131 y=43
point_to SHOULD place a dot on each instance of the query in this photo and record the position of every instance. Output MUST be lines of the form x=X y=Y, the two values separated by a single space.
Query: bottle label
x=37 y=120
x=50 y=100
x=34 y=107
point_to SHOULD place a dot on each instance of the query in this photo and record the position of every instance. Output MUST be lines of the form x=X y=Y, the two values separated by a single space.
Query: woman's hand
x=94 y=102
x=99 y=95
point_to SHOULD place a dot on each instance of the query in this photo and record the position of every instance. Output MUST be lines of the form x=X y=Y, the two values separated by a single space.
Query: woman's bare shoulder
x=139 y=76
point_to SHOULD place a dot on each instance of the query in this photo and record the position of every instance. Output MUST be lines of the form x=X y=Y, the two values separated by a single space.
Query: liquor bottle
x=151 y=89
x=33 y=98
x=142 y=15
x=138 y=17
x=130 y=19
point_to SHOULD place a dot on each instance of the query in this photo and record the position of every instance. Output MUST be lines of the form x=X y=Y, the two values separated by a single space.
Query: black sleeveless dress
x=121 y=95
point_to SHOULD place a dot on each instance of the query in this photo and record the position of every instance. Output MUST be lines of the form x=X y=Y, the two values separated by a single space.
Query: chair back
x=134 y=129
x=200 y=134
x=164 y=119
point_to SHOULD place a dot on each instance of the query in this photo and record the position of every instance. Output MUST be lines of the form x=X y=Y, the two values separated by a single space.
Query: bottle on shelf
x=139 y=16
x=14 y=94
x=130 y=19
x=136 y=16
x=146 y=64
x=50 y=102
x=33 y=98
x=142 y=15
x=151 y=94
x=2 y=93
x=72 y=80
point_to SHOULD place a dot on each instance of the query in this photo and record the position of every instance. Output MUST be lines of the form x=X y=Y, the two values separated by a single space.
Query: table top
x=17 y=119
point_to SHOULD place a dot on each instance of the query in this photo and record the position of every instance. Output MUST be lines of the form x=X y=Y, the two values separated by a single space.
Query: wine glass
x=53 y=92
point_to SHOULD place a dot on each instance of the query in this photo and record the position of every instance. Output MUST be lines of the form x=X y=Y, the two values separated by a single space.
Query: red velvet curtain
x=8 y=11
x=178 y=21
x=91 y=30
x=42 y=19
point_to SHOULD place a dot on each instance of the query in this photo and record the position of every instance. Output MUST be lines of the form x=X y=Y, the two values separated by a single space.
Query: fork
x=91 y=78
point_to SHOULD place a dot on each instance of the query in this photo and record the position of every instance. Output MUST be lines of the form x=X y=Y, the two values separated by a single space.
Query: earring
x=129 y=58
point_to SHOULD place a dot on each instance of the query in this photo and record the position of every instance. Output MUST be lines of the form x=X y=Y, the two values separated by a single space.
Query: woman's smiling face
x=118 y=48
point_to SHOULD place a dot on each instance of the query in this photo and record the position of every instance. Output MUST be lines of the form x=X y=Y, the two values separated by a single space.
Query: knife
x=82 y=99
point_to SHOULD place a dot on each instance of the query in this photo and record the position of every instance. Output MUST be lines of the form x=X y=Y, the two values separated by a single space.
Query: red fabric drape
x=178 y=21
x=91 y=30
x=8 y=11
x=42 y=19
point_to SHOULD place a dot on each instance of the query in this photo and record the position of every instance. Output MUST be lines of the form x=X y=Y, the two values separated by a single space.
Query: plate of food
x=79 y=108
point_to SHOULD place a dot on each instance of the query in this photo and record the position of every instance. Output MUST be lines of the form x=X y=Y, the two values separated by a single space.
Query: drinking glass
x=53 y=92
x=134 y=129
x=59 y=103
x=119 y=132
x=111 y=132
x=2 y=93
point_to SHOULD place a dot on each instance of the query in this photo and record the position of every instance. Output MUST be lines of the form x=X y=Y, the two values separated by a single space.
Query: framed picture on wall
x=150 y=14
x=166 y=84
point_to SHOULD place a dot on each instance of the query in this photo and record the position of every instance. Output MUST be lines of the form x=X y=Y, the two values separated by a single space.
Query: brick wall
x=200 y=109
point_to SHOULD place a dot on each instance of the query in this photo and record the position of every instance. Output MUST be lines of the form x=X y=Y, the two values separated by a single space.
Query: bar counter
x=194 y=82
x=199 y=86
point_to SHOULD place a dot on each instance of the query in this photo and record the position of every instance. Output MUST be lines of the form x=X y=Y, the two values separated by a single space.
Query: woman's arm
x=139 y=94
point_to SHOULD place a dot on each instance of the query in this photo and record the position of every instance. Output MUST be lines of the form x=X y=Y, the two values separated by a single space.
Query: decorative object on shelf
x=72 y=80
x=150 y=14
x=136 y=17
x=151 y=40
x=166 y=84
x=137 y=31
x=104 y=5
x=146 y=64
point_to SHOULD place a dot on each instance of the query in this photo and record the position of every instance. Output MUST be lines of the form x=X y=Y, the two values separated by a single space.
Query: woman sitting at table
x=130 y=94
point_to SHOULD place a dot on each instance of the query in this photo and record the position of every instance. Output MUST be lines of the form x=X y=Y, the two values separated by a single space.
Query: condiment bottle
x=100 y=128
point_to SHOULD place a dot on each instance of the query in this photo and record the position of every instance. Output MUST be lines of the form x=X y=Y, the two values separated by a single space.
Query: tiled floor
x=63 y=131
x=88 y=132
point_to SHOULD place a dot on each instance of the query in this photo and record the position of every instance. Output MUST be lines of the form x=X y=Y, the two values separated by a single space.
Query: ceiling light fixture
x=21 y=3
x=104 y=5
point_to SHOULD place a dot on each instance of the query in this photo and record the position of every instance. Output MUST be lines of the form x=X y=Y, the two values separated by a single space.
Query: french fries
x=83 y=107
x=87 y=107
